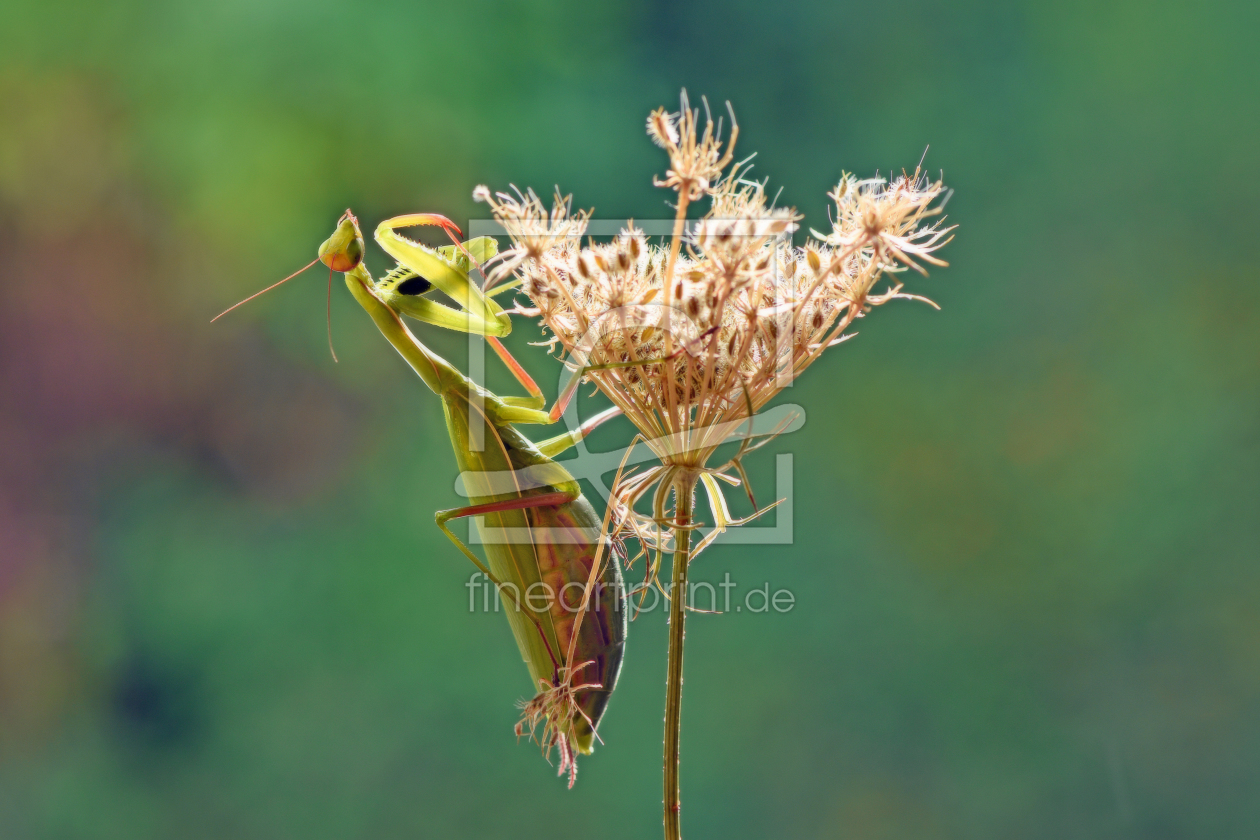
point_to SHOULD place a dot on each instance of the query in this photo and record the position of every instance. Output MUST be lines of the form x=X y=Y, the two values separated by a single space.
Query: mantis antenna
x=285 y=280
x=337 y=259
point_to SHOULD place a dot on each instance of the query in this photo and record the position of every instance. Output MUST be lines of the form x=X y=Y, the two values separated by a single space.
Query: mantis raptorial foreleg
x=448 y=270
x=480 y=314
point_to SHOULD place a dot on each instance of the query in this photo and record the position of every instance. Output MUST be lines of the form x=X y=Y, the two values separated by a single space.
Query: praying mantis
x=564 y=596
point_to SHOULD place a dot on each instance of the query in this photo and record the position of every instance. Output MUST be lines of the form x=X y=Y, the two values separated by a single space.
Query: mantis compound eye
x=343 y=251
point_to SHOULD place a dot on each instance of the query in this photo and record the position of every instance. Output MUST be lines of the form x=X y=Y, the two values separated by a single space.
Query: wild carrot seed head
x=688 y=335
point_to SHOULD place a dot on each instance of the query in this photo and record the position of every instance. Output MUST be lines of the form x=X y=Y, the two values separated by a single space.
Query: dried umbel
x=691 y=335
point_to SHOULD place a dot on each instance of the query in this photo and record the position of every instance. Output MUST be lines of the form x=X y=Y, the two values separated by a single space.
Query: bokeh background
x=1025 y=555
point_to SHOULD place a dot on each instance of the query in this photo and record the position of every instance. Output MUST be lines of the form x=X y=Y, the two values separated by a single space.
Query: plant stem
x=680 y=225
x=675 y=244
x=684 y=491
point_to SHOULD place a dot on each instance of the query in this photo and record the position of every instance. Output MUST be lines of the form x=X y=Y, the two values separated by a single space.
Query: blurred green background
x=1025 y=555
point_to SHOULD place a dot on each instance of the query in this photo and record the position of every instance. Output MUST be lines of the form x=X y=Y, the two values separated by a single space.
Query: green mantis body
x=541 y=534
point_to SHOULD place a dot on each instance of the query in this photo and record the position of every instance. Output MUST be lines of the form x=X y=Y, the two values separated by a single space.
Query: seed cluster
x=709 y=325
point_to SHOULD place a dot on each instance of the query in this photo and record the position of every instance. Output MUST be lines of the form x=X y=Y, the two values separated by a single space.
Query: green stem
x=684 y=492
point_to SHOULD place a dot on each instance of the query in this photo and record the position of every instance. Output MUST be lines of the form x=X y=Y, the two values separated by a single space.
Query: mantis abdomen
x=542 y=554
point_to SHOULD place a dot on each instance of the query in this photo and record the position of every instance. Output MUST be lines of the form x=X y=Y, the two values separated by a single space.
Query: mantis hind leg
x=519 y=503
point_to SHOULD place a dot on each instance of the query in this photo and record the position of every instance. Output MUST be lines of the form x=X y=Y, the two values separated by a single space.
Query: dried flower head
x=888 y=219
x=694 y=162
x=691 y=336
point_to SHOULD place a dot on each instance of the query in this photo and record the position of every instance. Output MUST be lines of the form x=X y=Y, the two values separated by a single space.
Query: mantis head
x=343 y=251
